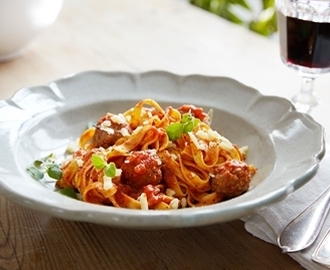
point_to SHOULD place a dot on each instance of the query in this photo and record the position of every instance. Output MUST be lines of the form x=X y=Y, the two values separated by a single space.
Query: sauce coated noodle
x=153 y=169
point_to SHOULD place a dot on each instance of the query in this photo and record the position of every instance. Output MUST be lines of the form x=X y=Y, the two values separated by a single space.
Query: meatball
x=142 y=168
x=109 y=129
x=231 y=179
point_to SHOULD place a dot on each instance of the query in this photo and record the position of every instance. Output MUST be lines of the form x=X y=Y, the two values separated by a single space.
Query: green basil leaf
x=68 y=191
x=196 y=121
x=45 y=159
x=98 y=162
x=48 y=159
x=110 y=170
x=188 y=127
x=174 y=131
x=186 y=118
x=35 y=173
x=37 y=163
x=189 y=122
x=55 y=172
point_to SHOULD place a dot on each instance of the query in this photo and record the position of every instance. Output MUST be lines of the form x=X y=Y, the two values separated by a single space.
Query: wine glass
x=304 y=32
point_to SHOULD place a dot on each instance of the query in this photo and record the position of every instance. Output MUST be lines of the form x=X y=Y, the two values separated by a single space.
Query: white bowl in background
x=21 y=21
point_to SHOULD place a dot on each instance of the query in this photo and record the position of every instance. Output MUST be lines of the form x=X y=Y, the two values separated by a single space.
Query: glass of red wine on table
x=304 y=32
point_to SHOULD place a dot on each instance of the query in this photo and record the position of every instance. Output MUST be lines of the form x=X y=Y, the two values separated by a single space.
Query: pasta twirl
x=161 y=159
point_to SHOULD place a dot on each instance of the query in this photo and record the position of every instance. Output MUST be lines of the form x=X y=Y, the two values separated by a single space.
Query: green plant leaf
x=266 y=23
x=241 y=3
x=98 y=162
x=45 y=165
x=54 y=172
x=174 y=131
x=223 y=8
x=37 y=163
x=35 y=173
x=186 y=118
x=68 y=191
x=110 y=170
x=268 y=3
x=188 y=127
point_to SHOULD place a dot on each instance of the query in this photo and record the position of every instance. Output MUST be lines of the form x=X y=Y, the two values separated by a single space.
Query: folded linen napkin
x=268 y=223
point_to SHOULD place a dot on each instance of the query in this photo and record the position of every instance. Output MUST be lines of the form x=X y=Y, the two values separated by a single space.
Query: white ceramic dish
x=285 y=146
x=21 y=21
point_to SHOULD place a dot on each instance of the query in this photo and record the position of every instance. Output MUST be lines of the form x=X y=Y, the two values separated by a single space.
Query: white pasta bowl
x=286 y=146
x=21 y=21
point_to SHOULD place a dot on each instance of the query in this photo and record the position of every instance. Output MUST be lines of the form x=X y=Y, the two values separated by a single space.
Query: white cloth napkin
x=267 y=223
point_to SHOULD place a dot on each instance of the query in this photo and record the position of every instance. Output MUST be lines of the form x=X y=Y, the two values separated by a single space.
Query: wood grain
x=31 y=240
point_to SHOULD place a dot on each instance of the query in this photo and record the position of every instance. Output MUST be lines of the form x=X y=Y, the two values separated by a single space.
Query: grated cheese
x=183 y=202
x=72 y=146
x=118 y=172
x=174 y=204
x=214 y=135
x=105 y=124
x=80 y=162
x=226 y=144
x=193 y=139
x=124 y=132
x=173 y=156
x=202 y=134
x=144 y=201
x=202 y=146
x=107 y=182
x=118 y=118
x=171 y=144
x=170 y=192
x=135 y=131
x=67 y=160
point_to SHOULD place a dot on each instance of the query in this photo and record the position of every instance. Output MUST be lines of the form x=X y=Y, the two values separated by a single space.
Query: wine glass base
x=305 y=103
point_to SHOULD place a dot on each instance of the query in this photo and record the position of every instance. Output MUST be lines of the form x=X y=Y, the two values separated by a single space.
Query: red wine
x=304 y=43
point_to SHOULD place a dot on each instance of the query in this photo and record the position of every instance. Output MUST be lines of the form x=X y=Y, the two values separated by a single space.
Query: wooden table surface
x=116 y=35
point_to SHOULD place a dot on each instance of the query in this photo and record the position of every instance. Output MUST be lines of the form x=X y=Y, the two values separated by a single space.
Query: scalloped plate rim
x=134 y=219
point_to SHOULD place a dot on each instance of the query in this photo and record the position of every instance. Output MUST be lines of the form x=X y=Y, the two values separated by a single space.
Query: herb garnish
x=175 y=130
x=110 y=169
x=45 y=165
x=68 y=191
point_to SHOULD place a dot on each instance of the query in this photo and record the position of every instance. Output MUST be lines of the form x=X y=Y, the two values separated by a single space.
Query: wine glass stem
x=307 y=87
x=305 y=100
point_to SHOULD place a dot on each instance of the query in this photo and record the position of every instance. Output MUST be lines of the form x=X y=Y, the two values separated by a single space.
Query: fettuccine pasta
x=153 y=158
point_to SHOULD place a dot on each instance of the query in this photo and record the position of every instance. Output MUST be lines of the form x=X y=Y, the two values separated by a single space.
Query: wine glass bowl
x=304 y=33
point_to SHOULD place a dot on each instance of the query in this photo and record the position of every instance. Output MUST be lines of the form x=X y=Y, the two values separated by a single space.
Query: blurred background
x=256 y=15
